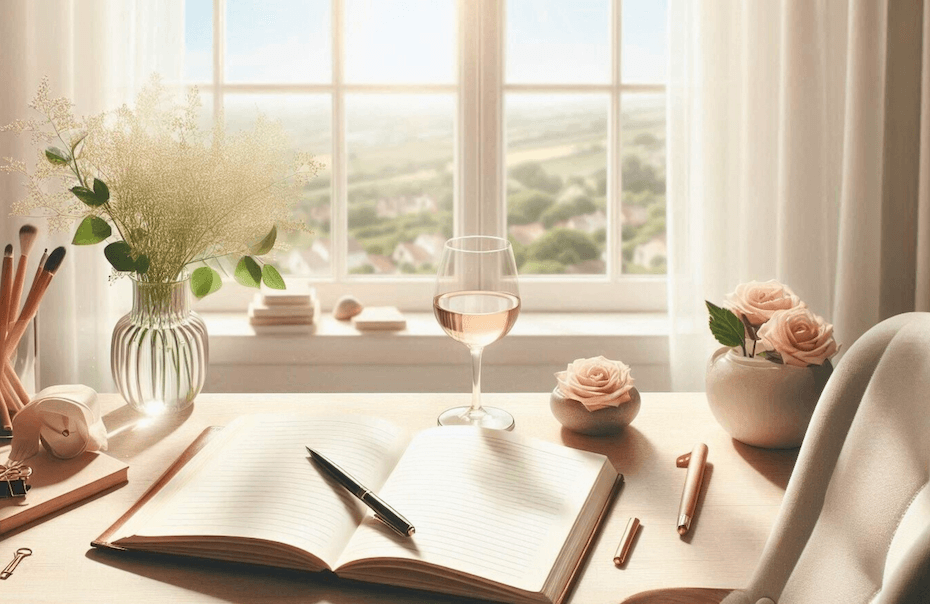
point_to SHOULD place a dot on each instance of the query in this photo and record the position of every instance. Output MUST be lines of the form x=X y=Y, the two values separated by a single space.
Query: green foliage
x=87 y=196
x=272 y=278
x=205 y=281
x=564 y=246
x=365 y=269
x=725 y=326
x=248 y=273
x=639 y=176
x=543 y=267
x=266 y=244
x=101 y=190
x=533 y=176
x=57 y=157
x=142 y=264
x=119 y=255
x=362 y=215
x=92 y=229
x=527 y=206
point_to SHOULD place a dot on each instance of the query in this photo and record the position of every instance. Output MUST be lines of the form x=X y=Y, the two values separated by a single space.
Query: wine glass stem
x=476 y=381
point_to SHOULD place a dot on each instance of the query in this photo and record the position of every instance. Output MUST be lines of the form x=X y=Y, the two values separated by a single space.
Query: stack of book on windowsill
x=295 y=310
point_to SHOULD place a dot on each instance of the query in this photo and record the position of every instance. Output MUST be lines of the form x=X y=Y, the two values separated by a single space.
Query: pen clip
x=682 y=460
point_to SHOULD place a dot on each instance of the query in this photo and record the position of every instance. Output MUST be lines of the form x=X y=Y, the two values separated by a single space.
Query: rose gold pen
x=695 y=461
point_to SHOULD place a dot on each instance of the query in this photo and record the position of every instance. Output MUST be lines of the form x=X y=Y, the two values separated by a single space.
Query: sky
x=413 y=41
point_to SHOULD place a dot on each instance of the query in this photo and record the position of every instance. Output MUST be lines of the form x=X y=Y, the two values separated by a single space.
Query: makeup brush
x=5 y=394
x=39 y=285
x=6 y=276
x=27 y=237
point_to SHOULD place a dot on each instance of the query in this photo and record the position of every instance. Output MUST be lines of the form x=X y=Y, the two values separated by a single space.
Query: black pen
x=382 y=510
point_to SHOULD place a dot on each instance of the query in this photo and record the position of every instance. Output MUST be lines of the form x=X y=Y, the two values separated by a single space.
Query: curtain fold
x=798 y=150
x=97 y=53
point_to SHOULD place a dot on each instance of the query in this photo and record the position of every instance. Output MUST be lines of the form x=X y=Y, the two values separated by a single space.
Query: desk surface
x=743 y=489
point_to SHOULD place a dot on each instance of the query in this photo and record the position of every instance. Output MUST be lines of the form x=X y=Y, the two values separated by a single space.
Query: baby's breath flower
x=179 y=194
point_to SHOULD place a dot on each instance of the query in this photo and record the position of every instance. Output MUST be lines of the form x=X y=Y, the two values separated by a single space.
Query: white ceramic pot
x=761 y=403
x=609 y=420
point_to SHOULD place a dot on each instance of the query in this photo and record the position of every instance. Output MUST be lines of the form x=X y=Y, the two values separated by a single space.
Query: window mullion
x=614 y=150
x=491 y=211
x=339 y=238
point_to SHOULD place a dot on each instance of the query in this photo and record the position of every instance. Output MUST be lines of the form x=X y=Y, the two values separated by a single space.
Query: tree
x=527 y=206
x=362 y=215
x=533 y=176
x=564 y=246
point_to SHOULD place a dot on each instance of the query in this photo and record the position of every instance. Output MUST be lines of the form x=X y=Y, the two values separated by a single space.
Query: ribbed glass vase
x=159 y=351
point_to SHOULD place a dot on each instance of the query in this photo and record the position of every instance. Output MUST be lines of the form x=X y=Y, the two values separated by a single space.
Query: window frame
x=479 y=156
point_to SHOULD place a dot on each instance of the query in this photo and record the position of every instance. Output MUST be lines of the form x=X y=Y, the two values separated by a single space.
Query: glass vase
x=159 y=351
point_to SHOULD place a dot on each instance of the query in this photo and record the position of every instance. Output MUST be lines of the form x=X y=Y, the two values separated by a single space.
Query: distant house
x=432 y=243
x=410 y=253
x=525 y=234
x=634 y=215
x=587 y=223
x=392 y=207
x=382 y=264
x=355 y=253
x=305 y=261
x=644 y=254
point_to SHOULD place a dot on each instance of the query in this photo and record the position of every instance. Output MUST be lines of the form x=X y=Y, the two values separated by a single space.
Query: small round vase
x=761 y=403
x=159 y=351
x=603 y=422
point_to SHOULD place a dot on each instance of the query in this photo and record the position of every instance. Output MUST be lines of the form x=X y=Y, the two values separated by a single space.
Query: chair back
x=854 y=527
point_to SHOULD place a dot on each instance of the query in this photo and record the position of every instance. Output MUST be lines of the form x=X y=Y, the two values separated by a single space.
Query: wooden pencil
x=27 y=237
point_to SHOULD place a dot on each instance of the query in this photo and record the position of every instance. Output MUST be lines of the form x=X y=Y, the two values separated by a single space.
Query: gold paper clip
x=14 y=481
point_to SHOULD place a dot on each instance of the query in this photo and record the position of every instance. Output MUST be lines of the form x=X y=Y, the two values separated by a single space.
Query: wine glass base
x=487 y=417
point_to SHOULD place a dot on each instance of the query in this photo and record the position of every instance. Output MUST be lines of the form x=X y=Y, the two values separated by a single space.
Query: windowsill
x=539 y=344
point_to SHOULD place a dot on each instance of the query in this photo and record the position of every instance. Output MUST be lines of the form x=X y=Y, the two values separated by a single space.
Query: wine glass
x=476 y=303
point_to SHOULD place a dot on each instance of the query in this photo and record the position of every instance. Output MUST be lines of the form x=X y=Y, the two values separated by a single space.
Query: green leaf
x=248 y=273
x=205 y=281
x=93 y=229
x=101 y=190
x=57 y=157
x=120 y=256
x=264 y=246
x=272 y=278
x=142 y=264
x=87 y=196
x=725 y=326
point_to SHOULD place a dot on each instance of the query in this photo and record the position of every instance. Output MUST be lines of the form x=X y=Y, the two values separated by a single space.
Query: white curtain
x=799 y=150
x=97 y=53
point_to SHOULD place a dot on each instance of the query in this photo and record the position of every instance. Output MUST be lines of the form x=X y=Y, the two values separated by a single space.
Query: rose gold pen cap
x=626 y=541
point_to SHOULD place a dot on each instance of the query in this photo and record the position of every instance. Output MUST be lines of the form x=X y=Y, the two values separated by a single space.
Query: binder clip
x=14 y=481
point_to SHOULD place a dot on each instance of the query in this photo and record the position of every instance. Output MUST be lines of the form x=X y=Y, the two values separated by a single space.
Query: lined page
x=258 y=483
x=487 y=503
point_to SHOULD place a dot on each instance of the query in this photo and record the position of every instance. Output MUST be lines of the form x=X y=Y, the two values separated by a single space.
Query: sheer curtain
x=97 y=53
x=799 y=150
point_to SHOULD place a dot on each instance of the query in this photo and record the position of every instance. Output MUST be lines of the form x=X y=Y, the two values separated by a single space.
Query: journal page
x=484 y=503
x=255 y=481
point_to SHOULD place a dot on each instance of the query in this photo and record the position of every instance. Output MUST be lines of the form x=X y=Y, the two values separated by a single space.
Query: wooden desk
x=742 y=492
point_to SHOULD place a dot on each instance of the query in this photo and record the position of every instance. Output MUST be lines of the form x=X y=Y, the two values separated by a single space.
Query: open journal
x=498 y=516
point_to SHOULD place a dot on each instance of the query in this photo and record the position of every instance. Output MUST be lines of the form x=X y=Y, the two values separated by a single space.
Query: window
x=539 y=120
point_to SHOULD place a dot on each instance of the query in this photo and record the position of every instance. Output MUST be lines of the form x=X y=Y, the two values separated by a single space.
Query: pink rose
x=597 y=383
x=759 y=299
x=799 y=336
